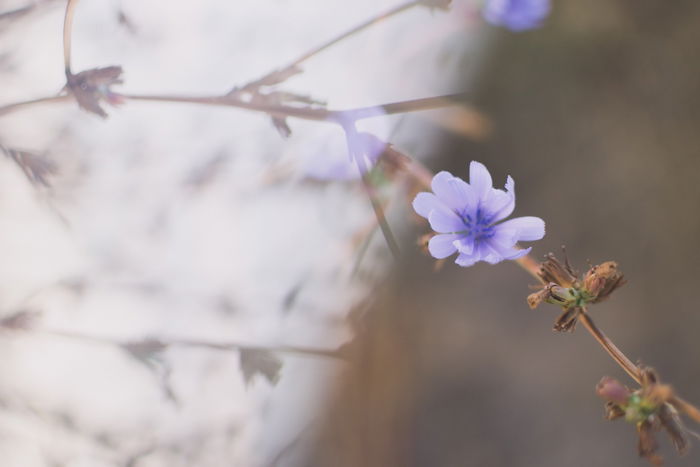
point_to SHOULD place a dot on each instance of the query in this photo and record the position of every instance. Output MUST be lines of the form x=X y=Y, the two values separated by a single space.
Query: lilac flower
x=465 y=215
x=516 y=15
x=330 y=160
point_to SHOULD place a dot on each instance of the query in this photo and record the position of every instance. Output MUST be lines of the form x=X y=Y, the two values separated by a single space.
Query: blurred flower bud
x=612 y=390
x=91 y=87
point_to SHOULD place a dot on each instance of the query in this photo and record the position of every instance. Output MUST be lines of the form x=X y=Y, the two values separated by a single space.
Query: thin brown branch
x=401 y=107
x=17 y=12
x=358 y=156
x=612 y=350
x=685 y=407
x=531 y=266
x=290 y=68
x=282 y=111
x=164 y=343
x=68 y=33
x=9 y=108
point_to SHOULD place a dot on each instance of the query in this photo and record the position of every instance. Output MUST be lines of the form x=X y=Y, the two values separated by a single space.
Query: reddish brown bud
x=612 y=390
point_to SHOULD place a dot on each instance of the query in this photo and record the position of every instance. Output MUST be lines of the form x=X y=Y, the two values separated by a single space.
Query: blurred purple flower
x=516 y=15
x=331 y=161
x=465 y=215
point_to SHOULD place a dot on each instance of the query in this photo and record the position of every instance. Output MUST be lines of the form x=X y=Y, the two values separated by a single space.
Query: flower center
x=477 y=225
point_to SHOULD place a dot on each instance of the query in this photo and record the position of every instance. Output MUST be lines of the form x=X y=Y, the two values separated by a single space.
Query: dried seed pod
x=602 y=280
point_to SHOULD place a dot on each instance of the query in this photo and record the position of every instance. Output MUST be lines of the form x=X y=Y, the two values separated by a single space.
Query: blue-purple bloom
x=330 y=160
x=516 y=15
x=466 y=217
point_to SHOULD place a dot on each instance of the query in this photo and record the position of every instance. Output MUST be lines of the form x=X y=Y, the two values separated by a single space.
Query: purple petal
x=441 y=246
x=516 y=15
x=480 y=179
x=444 y=220
x=509 y=252
x=489 y=254
x=501 y=203
x=519 y=253
x=464 y=245
x=466 y=260
x=528 y=228
x=425 y=202
x=453 y=191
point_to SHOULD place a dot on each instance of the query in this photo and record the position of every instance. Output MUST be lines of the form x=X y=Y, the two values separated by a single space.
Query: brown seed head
x=602 y=280
x=551 y=270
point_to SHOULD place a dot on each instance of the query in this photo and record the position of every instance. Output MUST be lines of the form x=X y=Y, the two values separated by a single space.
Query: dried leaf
x=259 y=362
x=145 y=351
x=671 y=422
x=36 y=168
x=21 y=320
x=647 y=443
x=282 y=127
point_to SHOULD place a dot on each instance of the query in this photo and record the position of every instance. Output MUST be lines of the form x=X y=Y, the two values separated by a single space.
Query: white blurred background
x=180 y=223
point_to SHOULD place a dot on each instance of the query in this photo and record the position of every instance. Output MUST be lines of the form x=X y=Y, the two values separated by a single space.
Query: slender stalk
x=9 y=108
x=358 y=156
x=17 y=12
x=413 y=105
x=530 y=265
x=316 y=50
x=223 y=346
x=283 y=111
x=685 y=407
x=307 y=113
x=67 y=34
x=612 y=350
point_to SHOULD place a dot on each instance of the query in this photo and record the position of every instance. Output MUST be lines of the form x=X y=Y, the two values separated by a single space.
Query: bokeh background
x=596 y=117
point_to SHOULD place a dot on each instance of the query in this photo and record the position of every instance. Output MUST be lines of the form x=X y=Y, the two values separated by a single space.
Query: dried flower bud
x=554 y=294
x=567 y=320
x=612 y=390
x=613 y=411
x=535 y=299
x=90 y=87
x=552 y=270
x=651 y=408
x=671 y=422
x=601 y=280
x=647 y=443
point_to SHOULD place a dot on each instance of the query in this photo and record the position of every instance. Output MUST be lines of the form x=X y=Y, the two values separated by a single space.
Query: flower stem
x=530 y=265
x=290 y=67
x=67 y=34
x=605 y=342
x=9 y=108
